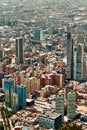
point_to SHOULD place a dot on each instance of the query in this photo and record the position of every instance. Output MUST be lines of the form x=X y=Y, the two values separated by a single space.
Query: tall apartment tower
x=21 y=91
x=69 y=56
x=9 y=88
x=74 y=61
x=38 y=34
x=71 y=105
x=19 y=49
x=14 y=102
x=60 y=105
x=1 y=54
x=80 y=62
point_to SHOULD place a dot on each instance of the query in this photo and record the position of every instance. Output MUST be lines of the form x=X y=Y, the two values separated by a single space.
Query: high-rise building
x=85 y=44
x=1 y=76
x=31 y=84
x=85 y=69
x=69 y=56
x=71 y=105
x=60 y=105
x=21 y=91
x=1 y=53
x=21 y=77
x=1 y=67
x=80 y=39
x=80 y=62
x=14 y=102
x=9 y=88
x=75 y=57
x=74 y=61
x=19 y=49
x=38 y=34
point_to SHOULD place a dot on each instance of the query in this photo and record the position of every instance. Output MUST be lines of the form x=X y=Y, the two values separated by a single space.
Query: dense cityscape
x=43 y=65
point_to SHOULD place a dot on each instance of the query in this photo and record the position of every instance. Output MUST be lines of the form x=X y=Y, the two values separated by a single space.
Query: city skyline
x=43 y=64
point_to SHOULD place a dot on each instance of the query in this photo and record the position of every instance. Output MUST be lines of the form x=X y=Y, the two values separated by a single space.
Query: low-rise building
x=50 y=120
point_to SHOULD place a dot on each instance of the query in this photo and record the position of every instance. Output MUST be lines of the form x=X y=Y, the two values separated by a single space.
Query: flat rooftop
x=51 y=115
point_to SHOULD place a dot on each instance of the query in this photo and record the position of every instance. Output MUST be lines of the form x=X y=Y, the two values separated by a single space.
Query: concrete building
x=75 y=58
x=74 y=61
x=1 y=67
x=80 y=63
x=60 y=105
x=71 y=105
x=14 y=102
x=19 y=49
x=50 y=120
x=1 y=53
x=38 y=34
x=31 y=84
x=69 y=56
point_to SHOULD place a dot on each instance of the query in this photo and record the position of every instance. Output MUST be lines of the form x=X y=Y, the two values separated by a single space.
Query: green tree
x=8 y=113
x=1 y=126
x=2 y=99
x=71 y=127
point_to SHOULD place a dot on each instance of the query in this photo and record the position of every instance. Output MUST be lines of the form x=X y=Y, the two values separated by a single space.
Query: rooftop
x=51 y=115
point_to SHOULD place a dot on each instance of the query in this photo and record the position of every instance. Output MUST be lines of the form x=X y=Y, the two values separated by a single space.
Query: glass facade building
x=14 y=102
x=21 y=91
x=9 y=88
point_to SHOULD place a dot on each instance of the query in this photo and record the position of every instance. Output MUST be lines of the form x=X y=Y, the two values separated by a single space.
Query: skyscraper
x=80 y=62
x=14 y=102
x=38 y=34
x=19 y=49
x=74 y=61
x=9 y=88
x=69 y=56
x=1 y=54
x=21 y=91
x=71 y=105
x=75 y=58
x=60 y=105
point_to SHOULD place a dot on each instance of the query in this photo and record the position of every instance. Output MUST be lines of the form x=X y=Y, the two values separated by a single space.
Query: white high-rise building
x=60 y=105
x=71 y=105
x=14 y=102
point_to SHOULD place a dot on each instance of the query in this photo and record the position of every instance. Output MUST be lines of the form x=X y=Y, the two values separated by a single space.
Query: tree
x=1 y=126
x=8 y=113
x=71 y=126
